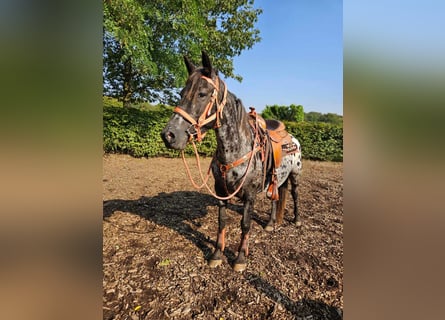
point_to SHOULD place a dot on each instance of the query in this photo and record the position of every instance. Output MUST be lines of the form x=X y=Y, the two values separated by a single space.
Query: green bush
x=137 y=131
x=284 y=113
x=319 y=141
x=111 y=102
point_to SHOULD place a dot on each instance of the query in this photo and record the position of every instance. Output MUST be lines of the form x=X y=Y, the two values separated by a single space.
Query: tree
x=331 y=118
x=323 y=117
x=144 y=43
x=284 y=113
x=312 y=116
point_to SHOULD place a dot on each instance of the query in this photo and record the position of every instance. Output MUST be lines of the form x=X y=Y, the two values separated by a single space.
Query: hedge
x=319 y=141
x=138 y=133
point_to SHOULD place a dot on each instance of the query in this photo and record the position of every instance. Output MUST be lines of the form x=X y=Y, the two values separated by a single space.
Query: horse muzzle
x=174 y=139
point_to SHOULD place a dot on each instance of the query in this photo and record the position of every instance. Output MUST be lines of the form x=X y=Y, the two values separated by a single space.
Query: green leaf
x=164 y=262
x=151 y=37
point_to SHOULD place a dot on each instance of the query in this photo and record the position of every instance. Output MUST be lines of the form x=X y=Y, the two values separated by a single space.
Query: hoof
x=214 y=263
x=239 y=267
x=268 y=228
x=298 y=224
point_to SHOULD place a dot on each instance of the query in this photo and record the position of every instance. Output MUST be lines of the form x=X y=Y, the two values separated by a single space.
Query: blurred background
x=394 y=170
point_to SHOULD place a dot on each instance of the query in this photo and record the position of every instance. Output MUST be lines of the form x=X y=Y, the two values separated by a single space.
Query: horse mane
x=236 y=107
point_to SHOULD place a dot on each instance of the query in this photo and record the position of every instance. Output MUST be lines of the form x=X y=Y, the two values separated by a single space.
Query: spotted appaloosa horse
x=243 y=162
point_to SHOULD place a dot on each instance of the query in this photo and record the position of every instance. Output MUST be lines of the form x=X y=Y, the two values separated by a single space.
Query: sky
x=299 y=59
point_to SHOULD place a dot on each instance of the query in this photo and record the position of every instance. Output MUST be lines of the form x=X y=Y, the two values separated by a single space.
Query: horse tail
x=282 y=192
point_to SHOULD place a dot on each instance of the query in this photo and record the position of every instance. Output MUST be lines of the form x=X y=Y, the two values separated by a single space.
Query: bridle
x=206 y=117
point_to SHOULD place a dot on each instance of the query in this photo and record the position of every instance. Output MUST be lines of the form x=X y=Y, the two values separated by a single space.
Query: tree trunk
x=128 y=90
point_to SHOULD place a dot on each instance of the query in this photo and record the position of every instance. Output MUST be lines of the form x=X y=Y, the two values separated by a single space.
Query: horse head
x=200 y=107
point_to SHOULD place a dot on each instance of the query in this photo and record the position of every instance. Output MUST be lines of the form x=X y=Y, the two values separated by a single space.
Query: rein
x=223 y=168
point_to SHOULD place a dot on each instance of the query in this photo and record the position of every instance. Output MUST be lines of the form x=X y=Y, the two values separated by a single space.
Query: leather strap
x=224 y=167
x=206 y=117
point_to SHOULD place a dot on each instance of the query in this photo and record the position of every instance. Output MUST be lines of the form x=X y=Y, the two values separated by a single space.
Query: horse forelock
x=193 y=84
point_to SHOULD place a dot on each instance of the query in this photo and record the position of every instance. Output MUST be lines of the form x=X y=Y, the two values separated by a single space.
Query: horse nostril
x=170 y=136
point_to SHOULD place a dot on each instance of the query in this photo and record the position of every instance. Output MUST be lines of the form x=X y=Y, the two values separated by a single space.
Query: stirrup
x=272 y=190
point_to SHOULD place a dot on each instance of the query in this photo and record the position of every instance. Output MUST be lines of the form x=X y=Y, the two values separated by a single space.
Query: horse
x=248 y=159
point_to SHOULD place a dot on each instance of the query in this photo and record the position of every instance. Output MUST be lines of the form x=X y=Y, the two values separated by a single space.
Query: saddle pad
x=289 y=148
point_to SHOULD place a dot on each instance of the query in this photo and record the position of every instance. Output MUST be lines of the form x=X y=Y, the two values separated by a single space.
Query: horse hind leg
x=294 y=191
x=282 y=191
x=273 y=217
x=277 y=210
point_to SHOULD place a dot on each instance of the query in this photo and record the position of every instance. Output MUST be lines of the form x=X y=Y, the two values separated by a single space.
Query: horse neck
x=234 y=137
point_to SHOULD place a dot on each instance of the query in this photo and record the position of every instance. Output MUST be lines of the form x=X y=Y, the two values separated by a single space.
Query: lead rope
x=199 y=168
x=208 y=172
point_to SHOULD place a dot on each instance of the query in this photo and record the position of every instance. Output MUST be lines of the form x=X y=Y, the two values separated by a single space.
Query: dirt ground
x=158 y=232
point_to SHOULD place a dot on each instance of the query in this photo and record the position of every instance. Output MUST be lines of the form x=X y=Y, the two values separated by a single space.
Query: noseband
x=206 y=117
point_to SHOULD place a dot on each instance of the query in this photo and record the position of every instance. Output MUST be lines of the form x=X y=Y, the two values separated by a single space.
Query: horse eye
x=201 y=94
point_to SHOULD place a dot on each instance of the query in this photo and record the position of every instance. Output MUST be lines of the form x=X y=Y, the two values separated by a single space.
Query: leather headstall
x=206 y=117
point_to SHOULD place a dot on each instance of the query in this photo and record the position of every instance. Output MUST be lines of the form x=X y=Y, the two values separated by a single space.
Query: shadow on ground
x=180 y=211
x=177 y=211
x=303 y=309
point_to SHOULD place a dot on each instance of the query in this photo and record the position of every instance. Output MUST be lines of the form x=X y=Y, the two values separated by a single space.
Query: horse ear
x=206 y=64
x=190 y=66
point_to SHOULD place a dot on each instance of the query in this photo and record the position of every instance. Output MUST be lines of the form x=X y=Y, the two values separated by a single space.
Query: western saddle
x=282 y=145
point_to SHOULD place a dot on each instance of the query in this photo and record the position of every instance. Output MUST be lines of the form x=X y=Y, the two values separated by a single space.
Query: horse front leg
x=216 y=258
x=240 y=263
